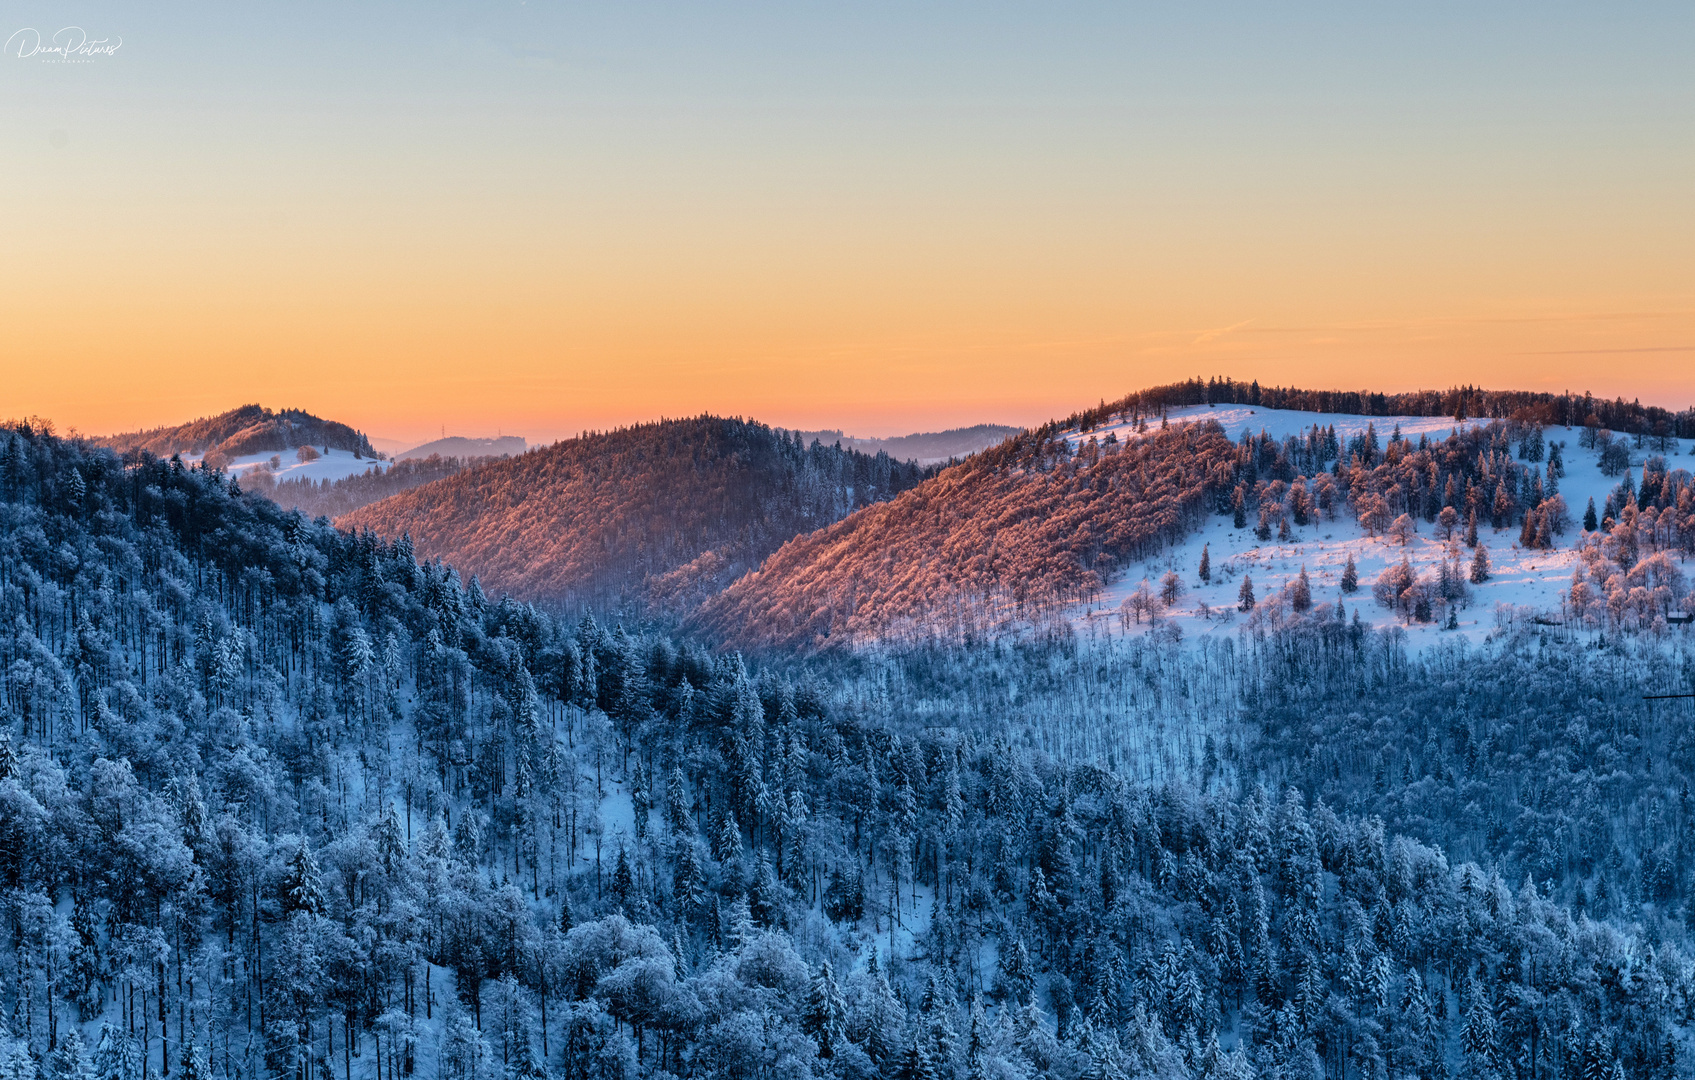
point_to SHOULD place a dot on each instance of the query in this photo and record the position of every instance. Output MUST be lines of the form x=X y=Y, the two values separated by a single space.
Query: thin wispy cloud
x=1210 y=335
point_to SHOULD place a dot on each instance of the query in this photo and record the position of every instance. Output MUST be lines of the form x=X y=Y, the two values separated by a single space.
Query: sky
x=543 y=217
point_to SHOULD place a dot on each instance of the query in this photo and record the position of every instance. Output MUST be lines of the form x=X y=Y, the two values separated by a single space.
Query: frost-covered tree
x=1300 y=592
x=1170 y=588
x=1480 y=569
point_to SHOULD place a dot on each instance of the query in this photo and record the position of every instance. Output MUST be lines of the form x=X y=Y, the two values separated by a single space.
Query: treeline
x=281 y=801
x=1022 y=528
x=1461 y=402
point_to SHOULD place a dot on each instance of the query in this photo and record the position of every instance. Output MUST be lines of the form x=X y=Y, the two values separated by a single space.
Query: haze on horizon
x=539 y=218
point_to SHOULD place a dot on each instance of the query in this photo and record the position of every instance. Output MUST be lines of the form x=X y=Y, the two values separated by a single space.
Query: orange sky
x=480 y=236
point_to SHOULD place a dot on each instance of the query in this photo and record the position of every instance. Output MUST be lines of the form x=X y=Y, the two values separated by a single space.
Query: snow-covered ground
x=335 y=465
x=1280 y=423
x=1522 y=578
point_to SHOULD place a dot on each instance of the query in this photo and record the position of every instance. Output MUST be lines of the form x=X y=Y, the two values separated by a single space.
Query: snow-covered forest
x=1220 y=512
x=282 y=801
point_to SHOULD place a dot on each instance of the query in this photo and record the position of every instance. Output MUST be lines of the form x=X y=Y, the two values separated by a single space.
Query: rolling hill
x=1025 y=527
x=659 y=514
x=1064 y=521
x=243 y=432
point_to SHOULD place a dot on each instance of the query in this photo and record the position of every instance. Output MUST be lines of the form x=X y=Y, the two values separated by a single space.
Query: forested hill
x=277 y=801
x=1460 y=402
x=251 y=429
x=1024 y=527
x=1049 y=523
x=662 y=513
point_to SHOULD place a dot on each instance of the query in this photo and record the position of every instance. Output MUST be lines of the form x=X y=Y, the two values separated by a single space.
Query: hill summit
x=250 y=429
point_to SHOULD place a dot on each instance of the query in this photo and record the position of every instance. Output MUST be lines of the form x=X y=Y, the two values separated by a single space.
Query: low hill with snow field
x=1524 y=583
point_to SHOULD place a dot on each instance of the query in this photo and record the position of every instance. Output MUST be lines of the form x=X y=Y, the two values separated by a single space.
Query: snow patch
x=333 y=465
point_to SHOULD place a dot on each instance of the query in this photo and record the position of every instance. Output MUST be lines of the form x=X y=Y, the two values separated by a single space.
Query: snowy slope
x=1530 y=580
x=335 y=465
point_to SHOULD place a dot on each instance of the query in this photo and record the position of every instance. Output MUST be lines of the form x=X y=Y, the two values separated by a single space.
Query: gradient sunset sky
x=540 y=217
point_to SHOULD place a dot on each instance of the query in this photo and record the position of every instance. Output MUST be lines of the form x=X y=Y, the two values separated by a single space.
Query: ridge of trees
x=651 y=516
x=1525 y=406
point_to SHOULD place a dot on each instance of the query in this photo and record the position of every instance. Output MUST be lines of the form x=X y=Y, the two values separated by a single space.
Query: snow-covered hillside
x=286 y=465
x=1524 y=579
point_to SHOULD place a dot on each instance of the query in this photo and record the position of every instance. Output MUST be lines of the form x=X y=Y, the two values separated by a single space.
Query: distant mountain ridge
x=460 y=446
x=250 y=429
x=926 y=448
x=655 y=516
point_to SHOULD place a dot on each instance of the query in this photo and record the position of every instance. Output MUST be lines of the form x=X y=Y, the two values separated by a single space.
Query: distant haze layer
x=462 y=447
x=926 y=448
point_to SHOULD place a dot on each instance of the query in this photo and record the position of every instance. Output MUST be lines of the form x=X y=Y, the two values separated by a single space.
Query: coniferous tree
x=915 y=1063
x=194 y=1066
x=301 y=888
x=677 y=818
x=1480 y=566
x=1300 y=595
x=688 y=884
x=70 y=1061
x=1014 y=977
x=1205 y=571
x=117 y=1056
x=825 y=1017
x=1245 y=595
x=1478 y=1039
x=623 y=880
x=844 y=896
x=1350 y=575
